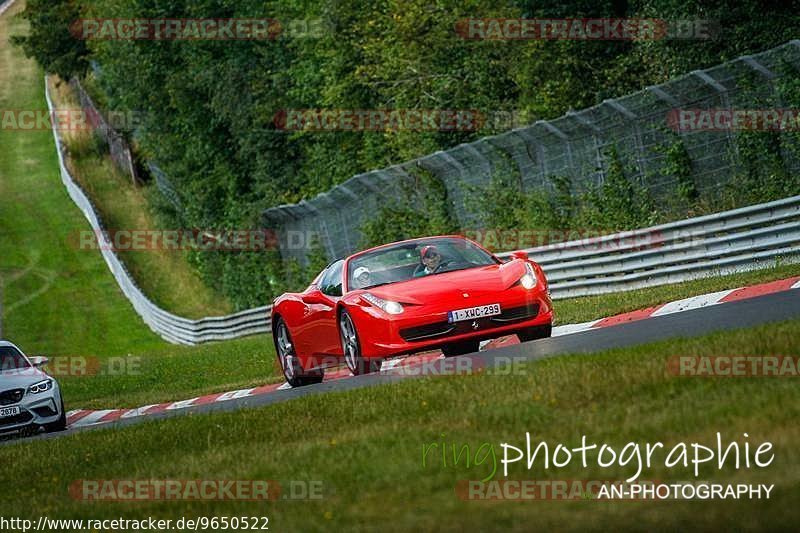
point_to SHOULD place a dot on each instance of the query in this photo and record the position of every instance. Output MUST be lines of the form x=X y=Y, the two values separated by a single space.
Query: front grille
x=446 y=329
x=21 y=418
x=7 y=397
x=428 y=331
x=517 y=313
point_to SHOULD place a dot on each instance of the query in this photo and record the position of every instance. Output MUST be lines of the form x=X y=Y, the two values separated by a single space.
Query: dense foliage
x=210 y=106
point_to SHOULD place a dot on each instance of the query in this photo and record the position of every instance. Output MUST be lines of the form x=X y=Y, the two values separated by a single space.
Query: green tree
x=50 y=40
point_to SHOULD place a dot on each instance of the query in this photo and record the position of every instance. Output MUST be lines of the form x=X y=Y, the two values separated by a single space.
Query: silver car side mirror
x=39 y=360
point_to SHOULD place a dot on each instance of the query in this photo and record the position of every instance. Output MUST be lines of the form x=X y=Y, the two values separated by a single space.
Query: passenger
x=362 y=277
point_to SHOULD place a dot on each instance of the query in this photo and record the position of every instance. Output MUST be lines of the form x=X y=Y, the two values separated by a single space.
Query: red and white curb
x=84 y=417
x=687 y=304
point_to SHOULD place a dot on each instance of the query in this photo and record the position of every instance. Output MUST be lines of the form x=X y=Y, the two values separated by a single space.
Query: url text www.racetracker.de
x=202 y=523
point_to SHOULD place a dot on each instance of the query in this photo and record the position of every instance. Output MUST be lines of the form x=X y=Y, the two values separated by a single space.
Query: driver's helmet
x=428 y=251
x=361 y=276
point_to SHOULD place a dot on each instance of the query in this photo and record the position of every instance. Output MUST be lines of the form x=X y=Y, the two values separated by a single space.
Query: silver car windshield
x=416 y=259
x=12 y=359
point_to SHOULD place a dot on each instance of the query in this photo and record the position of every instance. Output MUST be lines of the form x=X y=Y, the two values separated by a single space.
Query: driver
x=361 y=276
x=430 y=261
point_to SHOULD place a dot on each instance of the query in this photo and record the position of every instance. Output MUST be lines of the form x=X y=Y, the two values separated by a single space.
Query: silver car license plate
x=6 y=412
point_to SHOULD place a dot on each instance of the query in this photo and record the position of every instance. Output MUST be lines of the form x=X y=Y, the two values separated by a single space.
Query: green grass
x=165 y=276
x=366 y=446
x=177 y=373
x=58 y=300
x=174 y=373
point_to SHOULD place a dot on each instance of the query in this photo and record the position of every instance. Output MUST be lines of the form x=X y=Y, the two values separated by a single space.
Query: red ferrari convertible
x=443 y=293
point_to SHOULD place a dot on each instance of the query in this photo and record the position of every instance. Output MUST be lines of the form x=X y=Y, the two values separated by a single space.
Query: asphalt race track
x=739 y=314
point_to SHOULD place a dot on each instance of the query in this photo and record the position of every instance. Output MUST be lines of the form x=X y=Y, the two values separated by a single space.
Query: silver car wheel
x=285 y=351
x=349 y=341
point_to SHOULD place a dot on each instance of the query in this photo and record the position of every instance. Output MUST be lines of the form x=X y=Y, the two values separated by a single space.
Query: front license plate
x=5 y=412
x=472 y=313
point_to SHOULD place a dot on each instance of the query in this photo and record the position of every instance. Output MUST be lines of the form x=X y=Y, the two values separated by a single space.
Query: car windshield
x=415 y=259
x=12 y=359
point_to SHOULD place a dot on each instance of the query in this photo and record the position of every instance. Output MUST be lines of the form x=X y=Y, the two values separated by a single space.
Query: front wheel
x=535 y=332
x=292 y=368
x=351 y=347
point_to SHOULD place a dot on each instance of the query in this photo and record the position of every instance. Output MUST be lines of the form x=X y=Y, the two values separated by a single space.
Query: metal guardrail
x=574 y=147
x=725 y=242
x=5 y=5
x=171 y=327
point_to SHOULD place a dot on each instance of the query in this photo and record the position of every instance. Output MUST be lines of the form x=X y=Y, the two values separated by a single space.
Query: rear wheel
x=353 y=357
x=292 y=368
x=535 y=332
x=460 y=348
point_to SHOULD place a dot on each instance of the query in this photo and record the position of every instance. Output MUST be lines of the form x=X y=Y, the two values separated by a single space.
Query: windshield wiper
x=382 y=284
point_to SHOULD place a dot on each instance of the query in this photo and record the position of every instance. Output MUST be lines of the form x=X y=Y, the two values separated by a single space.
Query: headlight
x=528 y=280
x=42 y=386
x=393 y=308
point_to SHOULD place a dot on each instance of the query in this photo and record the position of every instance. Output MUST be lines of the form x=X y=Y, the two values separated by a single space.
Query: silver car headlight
x=42 y=386
x=393 y=308
x=528 y=279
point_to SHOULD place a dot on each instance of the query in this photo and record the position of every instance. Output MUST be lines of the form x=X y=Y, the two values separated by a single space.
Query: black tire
x=535 y=332
x=351 y=348
x=460 y=348
x=60 y=424
x=293 y=371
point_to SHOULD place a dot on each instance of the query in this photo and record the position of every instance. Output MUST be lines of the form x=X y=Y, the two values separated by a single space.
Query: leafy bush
x=210 y=106
x=679 y=165
x=89 y=145
x=422 y=211
x=618 y=203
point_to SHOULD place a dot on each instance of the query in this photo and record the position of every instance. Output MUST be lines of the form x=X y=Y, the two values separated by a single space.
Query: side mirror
x=39 y=360
x=314 y=296
x=520 y=254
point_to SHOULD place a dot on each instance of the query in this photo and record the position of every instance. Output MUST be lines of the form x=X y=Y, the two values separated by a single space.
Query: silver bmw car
x=29 y=398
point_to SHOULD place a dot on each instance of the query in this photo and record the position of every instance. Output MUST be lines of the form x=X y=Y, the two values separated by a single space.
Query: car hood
x=20 y=378
x=476 y=281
